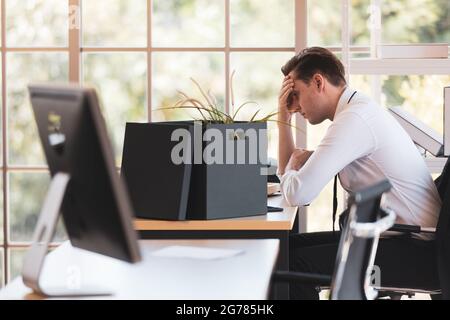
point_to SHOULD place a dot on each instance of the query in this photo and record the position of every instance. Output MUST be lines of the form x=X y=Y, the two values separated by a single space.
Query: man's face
x=308 y=100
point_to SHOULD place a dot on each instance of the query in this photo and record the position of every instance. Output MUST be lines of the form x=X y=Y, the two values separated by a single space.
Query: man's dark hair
x=316 y=60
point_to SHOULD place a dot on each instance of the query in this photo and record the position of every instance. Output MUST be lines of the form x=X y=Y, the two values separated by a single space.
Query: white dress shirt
x=365 y=145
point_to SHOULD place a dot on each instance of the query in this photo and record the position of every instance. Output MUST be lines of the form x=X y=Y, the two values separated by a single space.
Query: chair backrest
x=443 y=231
x=358 y=244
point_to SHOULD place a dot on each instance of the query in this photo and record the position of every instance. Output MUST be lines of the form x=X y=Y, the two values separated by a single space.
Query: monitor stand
x=43 y=235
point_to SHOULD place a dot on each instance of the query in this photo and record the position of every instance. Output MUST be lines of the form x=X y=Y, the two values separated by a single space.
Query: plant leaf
x=222 y=117
x=225 y=118
x=231 y=88
x=254 y=116
x=202 y=92
x=243 y=105
x=199 y=104
x=212 y=97
x=269 y=116
x=185 y=107
x=210 y=111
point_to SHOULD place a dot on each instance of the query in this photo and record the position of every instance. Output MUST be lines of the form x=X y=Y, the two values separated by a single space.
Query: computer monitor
x=86 y=187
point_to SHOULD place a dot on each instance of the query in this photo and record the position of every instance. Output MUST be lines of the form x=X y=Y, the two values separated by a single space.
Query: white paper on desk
x=196 y=253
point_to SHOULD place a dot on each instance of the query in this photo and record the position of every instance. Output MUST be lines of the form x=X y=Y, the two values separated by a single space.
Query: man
x=364 y=145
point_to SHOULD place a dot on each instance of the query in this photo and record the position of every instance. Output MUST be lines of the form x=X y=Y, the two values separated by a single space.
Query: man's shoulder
x=363 y=106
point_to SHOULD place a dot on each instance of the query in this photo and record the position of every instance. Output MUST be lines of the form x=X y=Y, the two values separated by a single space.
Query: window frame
x=75 y=51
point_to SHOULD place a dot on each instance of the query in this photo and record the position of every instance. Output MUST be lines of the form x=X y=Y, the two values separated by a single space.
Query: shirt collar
x=343 y=101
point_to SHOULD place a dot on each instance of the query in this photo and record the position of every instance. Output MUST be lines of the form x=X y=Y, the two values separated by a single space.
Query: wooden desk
x=277 y=225
x=245 y=276
x=272 y=221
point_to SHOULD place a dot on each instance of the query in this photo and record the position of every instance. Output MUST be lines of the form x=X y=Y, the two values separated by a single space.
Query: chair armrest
x=309 y=278
x=411 y=229
x=373 y=229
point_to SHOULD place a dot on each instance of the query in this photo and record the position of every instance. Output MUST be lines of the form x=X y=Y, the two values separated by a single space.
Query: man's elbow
x=295 y=193
x=297 y=200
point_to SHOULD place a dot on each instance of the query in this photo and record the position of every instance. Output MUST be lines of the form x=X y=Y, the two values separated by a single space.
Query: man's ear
x=318 y=81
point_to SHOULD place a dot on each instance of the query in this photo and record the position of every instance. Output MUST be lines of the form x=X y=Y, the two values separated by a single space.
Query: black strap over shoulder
x=335 y=201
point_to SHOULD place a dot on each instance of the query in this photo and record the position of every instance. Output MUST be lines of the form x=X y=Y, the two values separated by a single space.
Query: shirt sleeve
x=348 y=139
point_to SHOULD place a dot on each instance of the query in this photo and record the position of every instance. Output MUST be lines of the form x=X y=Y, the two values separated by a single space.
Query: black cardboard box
x=203 y=188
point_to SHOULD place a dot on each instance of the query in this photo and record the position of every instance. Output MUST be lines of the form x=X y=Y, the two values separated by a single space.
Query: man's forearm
x=286 y=146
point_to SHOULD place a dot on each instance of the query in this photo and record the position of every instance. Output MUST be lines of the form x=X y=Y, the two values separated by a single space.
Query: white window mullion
x=346 y=41
x=74 y=40
x=400 y=66
x=301 y=42
x=376 y=86
x=346 y=34
x=149 y=59
x=375 y=40
x=227 y=58
x=4 y=139
x=375 y=22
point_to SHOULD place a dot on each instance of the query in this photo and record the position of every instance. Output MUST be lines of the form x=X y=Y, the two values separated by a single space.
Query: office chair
x=357 y=248
x=442 y=241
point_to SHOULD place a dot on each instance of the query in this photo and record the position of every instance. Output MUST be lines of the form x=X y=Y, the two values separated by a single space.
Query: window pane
x=406 y=21
x=361 y=22
x=422 y=96
x=324 y=23
x=16 y=257
x=172 y=73
x=26 y=196
x=114 y=23
x=360 y=55
x=362 y=83
x=37 y=23
x=188 y=23
x=121 y=81
x=23 y=69
x=268 y=23
x=258 y=78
